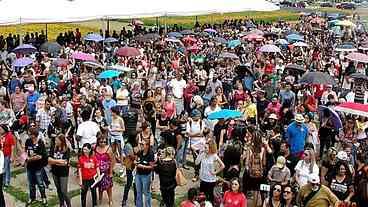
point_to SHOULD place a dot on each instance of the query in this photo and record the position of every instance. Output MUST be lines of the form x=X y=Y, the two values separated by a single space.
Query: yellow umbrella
x=345 y=23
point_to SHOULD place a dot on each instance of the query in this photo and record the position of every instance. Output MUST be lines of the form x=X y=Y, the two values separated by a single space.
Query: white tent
x=49 y=11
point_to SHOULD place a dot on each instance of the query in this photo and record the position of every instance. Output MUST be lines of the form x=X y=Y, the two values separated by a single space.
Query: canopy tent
x=46 y=11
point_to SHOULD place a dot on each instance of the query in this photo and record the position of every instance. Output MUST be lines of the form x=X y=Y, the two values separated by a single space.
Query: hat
x=299 y=118
x=273 y=116
x=314 y=178
x=195 y=113
x=280 y=163
x=342 y=155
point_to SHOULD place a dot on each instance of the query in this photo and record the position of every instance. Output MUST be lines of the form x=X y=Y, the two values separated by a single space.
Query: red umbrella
x=128 y=52
x=83 y=56
x=194 y=48
x=353 y=108
x=189 y=39
x=359 y=57
x=253 y=37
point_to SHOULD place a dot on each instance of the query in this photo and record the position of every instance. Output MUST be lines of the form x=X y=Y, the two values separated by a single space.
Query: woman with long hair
x=116 y=130
x=288 y=196
x=328 y=165
x=106 y=161
x=170 y=107
x=129 y=157
x=221 y=98
x=234 y=197
x=59 y=162
x=208 y=160
x=275 y=199
x=305 y=167
x=341 y=183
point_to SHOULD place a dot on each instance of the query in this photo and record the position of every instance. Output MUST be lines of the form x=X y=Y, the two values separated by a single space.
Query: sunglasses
x=277 y=189
x=287 y=192
x=103 y=142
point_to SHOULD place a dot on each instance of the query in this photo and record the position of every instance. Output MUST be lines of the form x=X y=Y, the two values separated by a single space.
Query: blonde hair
x=169 y=153
x=212 y=146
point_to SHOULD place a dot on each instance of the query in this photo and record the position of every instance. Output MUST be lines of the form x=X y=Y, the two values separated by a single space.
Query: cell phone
x=265 y=187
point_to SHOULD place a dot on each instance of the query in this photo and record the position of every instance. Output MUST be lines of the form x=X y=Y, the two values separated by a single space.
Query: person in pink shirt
x=234 y=197
x=170 y=107
x=274 y=106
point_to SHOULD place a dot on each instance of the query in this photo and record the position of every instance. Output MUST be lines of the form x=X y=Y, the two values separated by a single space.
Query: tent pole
x=20 y=31
x=108 y=25
x=157 y=24
x=46 y=30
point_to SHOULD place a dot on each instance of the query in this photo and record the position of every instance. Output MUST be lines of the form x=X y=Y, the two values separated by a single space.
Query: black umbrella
x=317 y=78
x=359 y=76
x=242 y=69
x=270 y=34
x=295 y=67
x=51 y=47
x=187 y=32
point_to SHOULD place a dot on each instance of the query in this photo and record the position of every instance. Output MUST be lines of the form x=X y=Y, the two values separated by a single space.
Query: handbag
x=180 y=178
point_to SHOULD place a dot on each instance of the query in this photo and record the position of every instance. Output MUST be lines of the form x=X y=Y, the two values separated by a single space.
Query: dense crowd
x=210 y=102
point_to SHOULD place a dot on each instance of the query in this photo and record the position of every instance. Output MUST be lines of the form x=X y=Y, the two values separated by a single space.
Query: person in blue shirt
x=248 y=81
x=296 y=135
x=107 y=104
x=13 y=83
x=32 y=98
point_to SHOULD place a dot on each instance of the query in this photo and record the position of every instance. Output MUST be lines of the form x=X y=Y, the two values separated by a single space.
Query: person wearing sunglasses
x=288 y=196
x=275 y=197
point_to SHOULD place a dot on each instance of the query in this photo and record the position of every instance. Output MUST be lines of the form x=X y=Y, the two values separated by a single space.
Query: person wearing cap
x=279 y=173
x=314 y=194
x=296 y=135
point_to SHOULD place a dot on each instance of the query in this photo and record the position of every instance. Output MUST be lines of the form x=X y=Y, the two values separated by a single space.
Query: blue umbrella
x=346 y=47
x=225 y=114
x=93 y=37
x=109 y=74
x=233 y=43
x=25 y=48
x=220 y=40
x=175 y=34
x=111 y=40
x=335 y=118
x=294 y=37
x=281 y=42
x=210 y=30
x=22 y=62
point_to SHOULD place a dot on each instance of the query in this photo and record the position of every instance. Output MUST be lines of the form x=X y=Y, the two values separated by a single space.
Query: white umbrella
x=269 y=48
x=300 y=44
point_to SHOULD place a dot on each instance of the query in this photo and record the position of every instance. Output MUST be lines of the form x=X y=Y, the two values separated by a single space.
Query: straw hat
x=299 y=118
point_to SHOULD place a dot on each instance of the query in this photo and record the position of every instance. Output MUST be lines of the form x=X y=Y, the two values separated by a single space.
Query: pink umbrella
x=128 y=52
x=269 y=48
x=189 y=39
x=353 y=108
x=83 y=56
x=359 y=57
x=253 y=37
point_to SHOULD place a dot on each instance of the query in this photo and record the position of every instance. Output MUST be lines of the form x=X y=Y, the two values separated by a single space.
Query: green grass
x=18 y=171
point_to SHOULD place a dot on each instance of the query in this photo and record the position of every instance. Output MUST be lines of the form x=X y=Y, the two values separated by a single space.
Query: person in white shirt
x=122 y=98
x=213 y=107
x=178 y=84
x=325 y=94
x=87 y=130
x=305 y=168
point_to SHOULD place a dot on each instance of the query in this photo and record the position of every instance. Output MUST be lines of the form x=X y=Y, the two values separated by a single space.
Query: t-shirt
x=88 y=131
x=60 y=171
x=178 y=87
x=88 y=166
x=341 y=189
x=145 y=160
x=232 y=199
x=7 y=142
x=36 y=149
x=323 y=198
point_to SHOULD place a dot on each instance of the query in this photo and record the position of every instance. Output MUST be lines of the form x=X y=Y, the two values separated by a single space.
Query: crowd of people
x=153 y=118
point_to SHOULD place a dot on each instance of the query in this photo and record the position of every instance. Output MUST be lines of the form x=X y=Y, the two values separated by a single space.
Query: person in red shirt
x=88 y=168
x=191 y=201
x=7 y=142
x=234 y=197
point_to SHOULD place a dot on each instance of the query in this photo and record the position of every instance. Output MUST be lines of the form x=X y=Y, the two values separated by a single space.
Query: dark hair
x=88 y=146
x=101 y=136
x=62 y=139
x=347 y=168
x=192 y=194
x=115 y=110
x=86 y=115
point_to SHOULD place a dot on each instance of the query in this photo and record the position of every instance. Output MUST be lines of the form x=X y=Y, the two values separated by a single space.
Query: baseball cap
x=314 y=178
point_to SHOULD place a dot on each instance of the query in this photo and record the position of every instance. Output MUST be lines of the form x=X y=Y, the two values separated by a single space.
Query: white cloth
x=87 y=131
x=2 y=162
x=206 y=172
x=302 y=171
x=178 y=87
x=122 y=96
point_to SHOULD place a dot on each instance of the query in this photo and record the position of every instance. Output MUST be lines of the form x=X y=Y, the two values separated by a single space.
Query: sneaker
x=44 y=201
x=29 y=202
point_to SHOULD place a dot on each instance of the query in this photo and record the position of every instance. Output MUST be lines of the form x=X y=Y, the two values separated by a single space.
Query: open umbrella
x=193 y=48
x=364 y=47
x=51 y=47
x=210 y=30
x=346 y=47
x=353 y=108
x=281 y=42
x=150 y=37
x=253 y=37
x=225 y=114
x=120 y=68
x=128 y=52
x=187 y=32
x=256 y=31
x=300 y=44
x=175 y=34
x=172 y=39
x=295 y=67
x=358 y=57
x=335 y=118
x=60 y=62
x=83 y=56
x=233 y=43
x=317 y=78
x=204 y=34
x=111 y=40
x=93 y=64
x=93 y=37
x=358 y=76
x=294 y=37
x=345 y=23
x=25 y=48
x=22 y=62
x=220 y=40
x=109 y=74
x=269 y=48
x=228 y=55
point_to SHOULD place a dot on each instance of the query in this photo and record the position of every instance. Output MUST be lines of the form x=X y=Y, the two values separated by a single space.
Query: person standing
x=59 y=162
x=234 y=197
x=116 y=130
x=129 y=162
x=296 y=135
x=178 y=84
x=87 y=130
x=7 y=141
x=143 y=177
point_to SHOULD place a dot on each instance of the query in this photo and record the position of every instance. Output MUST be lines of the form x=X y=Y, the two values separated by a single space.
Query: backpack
x=256 y=166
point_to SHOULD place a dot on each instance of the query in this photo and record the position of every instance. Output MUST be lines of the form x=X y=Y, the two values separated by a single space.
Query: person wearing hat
x=279 y=173
x=296 y=135
x=314 y=194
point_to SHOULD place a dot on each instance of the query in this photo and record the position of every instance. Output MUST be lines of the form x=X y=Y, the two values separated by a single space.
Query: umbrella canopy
x=269 y=48
x=83 y=56
x=204 y=34
x=281 y=42
x=93 y=37
x=256 y=31
x=22 y=62
x=253 y=37
x=190 y=39
x=295 y=67
x=358 y=76
x=317 y=78
x=25 y=48
x=111 y=40
x=128 y=52
x=187 y=32
x=225 y=114
x=51 y=47
x=228 y=55
x=346 y=47
x=220 y=40
x=233 y=43
x=193 y=48
x=345 y=23
x=60 y=62
x=150 y=37
x=109 y=74
x=172 y=39
x=210 y=30
x=120 y=68
x=294 y=37
x=300 y=44
x=175 y=34
x=364 y=47
x=335 y=118
x=359 y=57
x=93 y=64
x=353 y=108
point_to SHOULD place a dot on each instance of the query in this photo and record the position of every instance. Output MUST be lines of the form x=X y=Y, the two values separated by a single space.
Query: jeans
x=87 y=185
x=179 y=105
x=61 y=184
x=129 y=185
x=2 y=199
x=180 y=155
x=168 y=197
x=7 y=170
x=45 y=178
x=143 y=184
x=196 y=167
x=35 y=178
